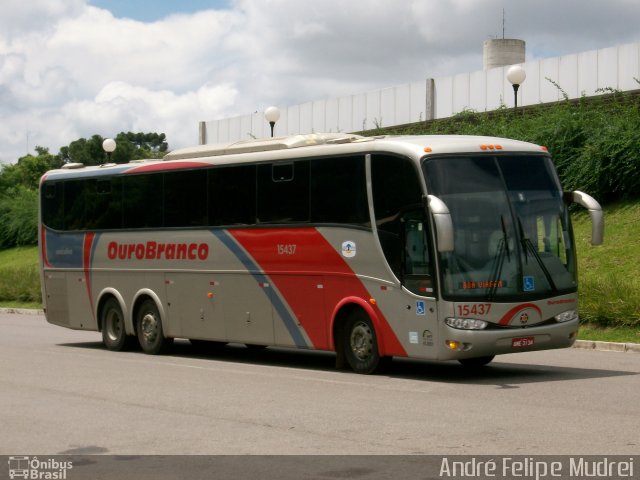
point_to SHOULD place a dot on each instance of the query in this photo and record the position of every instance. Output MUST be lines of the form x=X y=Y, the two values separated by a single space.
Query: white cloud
x=18 y=19
x=70 y=70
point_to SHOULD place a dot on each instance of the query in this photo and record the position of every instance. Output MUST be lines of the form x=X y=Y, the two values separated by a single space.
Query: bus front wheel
x=149 y=328
x=360 y=343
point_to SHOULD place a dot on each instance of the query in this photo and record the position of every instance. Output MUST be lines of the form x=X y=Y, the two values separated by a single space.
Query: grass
x=19 y=257
x=25 y=305
x=19 y=278
x=609 y=274
x=618 y=334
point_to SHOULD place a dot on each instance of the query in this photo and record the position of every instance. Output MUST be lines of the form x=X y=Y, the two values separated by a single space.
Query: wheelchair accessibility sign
x=420 y=307
x=528 y=283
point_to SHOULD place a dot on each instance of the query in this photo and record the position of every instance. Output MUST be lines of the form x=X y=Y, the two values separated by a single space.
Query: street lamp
x=272 y=115
x=109 y=145
x=516 y=76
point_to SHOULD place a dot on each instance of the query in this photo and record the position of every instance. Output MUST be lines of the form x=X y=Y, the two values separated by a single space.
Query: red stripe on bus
x=158 y=167
x=506 y=318
x=43 y=244
x=86 y=264
x=294 y=259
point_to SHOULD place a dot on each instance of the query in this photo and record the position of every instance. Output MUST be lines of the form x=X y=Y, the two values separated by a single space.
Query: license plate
x=521 y=342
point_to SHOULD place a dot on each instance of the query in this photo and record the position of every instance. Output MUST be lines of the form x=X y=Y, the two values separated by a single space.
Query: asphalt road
x=62 y=392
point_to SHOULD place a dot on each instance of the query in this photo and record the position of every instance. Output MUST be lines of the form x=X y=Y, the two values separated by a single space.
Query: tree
x=19 y=182
x=144 y=145
x=85 y=151
x=28 y=170
x=129 y=146
x=19 y=217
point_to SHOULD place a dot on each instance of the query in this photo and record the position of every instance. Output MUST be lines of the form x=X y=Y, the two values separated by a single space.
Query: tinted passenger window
x=283 y=192
x=53 y=205
x=108 y=206
x=142 y=201
x=339 y=191
x=185 y=198
x=79 y=198
x=232 y=195
x=90 y=204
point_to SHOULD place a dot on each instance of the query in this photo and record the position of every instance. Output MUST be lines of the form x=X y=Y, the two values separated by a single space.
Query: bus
x=428 y=247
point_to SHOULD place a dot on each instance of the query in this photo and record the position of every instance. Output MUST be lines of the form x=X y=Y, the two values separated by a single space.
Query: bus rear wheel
x=477 y=361
x=114 y=335
x=361 y=344
x=149 y=328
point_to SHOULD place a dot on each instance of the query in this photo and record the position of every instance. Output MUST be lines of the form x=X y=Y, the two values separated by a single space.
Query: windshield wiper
x=496 y=271
x=529 y=247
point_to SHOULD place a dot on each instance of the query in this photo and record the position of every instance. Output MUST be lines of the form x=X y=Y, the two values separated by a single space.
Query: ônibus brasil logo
x=33 y=468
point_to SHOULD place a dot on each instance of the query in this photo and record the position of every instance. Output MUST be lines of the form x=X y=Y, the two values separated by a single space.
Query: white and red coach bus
x=431 y=247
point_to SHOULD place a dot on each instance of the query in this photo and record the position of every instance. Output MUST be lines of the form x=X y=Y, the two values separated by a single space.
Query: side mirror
x=442 y=222
x=595 y=212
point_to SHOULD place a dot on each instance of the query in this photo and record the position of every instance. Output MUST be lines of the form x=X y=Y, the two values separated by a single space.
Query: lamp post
x=516 y=76
x=109 y=145
x=272 y=115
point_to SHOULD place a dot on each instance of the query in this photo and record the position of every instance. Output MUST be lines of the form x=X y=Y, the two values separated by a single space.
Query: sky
x=70 y=69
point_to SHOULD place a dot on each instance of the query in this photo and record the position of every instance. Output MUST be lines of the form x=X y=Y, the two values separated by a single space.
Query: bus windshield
x=512 y=235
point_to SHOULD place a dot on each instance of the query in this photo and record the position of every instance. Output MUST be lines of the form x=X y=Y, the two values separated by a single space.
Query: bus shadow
x=499 y=373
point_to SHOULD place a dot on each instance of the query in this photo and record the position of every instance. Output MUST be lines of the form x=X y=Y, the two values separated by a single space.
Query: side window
x=283 y=192
x=339 y=191
x=232 y=195
x=185 y=198
x=52 y=200
x=416 y=264
x=80 y=198
x=396 y=189
x=107 y=213
x=142 y=201
x=91 y=204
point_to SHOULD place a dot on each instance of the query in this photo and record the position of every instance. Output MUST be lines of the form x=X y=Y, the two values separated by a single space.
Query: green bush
x=19 y=217
x=609 y=302
x=20 y=284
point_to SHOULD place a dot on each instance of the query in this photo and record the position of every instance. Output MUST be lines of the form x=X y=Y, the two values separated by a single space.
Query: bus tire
x=476 y=361
x=360 y=343
x=149 y=328
x=114 y=335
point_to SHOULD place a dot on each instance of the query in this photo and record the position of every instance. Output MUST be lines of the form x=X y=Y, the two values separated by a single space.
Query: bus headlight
x=566 y=316
x=465 y=323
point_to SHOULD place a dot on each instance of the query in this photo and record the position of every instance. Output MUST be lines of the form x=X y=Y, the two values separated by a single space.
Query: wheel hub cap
x=361 y=341
x=149 y=328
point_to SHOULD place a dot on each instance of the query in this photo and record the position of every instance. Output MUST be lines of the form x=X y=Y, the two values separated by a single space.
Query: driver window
x=400 y=220
x=416 y=275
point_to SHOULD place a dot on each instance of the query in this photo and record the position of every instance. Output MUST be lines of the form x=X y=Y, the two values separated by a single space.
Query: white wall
x=577 y=74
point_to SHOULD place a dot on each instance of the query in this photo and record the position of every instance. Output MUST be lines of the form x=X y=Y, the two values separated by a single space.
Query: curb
x=607 y=346
x=583 y=344
x=22 y=311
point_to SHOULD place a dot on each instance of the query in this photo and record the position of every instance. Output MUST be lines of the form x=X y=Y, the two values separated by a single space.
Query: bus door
x=420 y=313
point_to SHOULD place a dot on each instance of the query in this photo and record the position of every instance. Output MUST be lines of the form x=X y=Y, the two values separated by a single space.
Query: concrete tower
x=499 y=52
